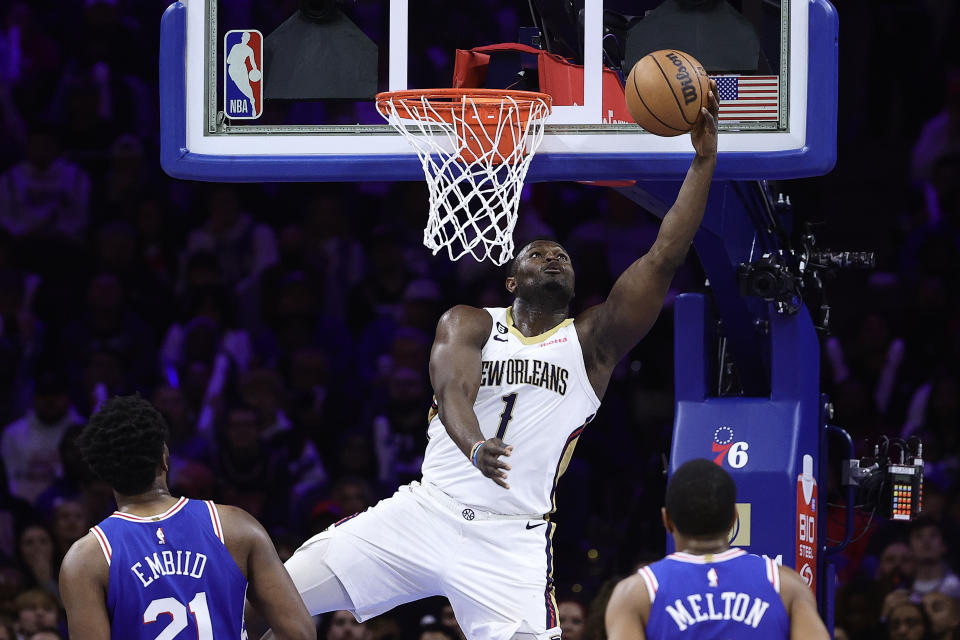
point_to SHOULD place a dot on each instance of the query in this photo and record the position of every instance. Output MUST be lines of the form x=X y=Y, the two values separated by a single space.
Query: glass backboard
x=283 y=91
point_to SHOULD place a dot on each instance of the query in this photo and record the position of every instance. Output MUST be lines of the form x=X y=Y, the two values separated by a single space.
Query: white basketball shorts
x=495 y=570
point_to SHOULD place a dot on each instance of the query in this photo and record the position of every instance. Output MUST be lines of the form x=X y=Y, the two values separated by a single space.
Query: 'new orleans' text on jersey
x=516 y=371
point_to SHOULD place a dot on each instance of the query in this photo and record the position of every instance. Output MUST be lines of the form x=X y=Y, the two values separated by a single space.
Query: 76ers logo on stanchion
x=243 y=74
x=724 y=446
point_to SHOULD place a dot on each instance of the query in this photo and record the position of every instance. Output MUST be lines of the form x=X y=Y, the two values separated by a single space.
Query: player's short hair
x=123 y=443
x=515 y=263
x=701 y=499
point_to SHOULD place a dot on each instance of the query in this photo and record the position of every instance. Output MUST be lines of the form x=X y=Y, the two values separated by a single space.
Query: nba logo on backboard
x=243 y=74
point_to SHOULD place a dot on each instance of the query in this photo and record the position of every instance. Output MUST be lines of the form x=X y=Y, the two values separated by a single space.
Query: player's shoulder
x=466 y=321
x=791 y=580
x=630 y=594
x=632 y=588
x=85 y=556
x=465 y=313
x=237 y=522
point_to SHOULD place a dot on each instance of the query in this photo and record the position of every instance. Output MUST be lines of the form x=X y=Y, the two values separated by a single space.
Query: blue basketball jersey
x=732 y=595
x=171 y=576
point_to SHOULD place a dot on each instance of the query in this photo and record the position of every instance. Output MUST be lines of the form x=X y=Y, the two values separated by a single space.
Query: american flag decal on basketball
x=748 y=98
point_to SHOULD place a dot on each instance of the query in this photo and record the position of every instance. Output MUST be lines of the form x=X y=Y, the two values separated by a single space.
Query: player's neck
x=701 y=547
x=532 y=318
x=153 y=501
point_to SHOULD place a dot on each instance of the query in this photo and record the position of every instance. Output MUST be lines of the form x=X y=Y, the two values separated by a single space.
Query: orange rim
x=483 y=99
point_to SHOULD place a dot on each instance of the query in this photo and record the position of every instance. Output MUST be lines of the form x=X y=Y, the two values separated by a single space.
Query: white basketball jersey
x=535 y=395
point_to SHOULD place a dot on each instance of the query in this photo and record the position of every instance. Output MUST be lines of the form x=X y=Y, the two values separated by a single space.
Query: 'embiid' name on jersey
x=170 y=563
x=732 y=606
x=519 y=371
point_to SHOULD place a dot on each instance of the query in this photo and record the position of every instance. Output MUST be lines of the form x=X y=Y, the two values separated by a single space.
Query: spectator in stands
x=250 y=473
x=12 y=582
x=944 y=614
x=8 y=630
x=245 y=248
x=933 y=574
x=896 y=566
x=341 y=625
x=111 y=326
x=398 y=431
x=435 y=631
x=71 y=521
x=46 y=194
x=449 y=620
x=940 y=134
x=36 y=609
x=908 y=621
x=573 y=617
x=30 y=445
x=39 y=558
x=15 y=513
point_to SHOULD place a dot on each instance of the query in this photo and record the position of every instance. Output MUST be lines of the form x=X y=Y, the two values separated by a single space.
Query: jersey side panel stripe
x=215 y=518
x=565 y=457
x=651 y=581
x=103 y=542
x=549 y=595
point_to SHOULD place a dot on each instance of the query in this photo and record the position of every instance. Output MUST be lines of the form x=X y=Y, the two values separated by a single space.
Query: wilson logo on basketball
x=686 y=82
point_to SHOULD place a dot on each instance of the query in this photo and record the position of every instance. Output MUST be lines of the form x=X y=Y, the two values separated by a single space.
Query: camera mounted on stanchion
x=789 y=277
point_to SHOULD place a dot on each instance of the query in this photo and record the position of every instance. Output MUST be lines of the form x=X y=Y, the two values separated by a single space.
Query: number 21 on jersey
x=178 y=616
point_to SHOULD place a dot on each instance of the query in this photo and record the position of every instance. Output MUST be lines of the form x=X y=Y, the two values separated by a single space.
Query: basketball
x=665 y=91
x=255 y=75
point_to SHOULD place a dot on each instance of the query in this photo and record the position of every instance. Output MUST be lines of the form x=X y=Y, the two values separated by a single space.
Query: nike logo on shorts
x=535 y=526
x=499 y=339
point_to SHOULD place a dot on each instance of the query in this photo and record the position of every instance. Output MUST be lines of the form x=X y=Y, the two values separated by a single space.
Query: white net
x=475 y=149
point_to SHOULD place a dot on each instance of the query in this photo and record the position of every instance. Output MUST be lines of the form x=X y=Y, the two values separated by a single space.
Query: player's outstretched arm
x=805 y=622
x=634 y=303
x=269 y=587
x=627 y=610
x=84 y=576
x=455 y=375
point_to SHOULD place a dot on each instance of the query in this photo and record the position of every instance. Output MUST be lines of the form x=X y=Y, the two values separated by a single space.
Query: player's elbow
x=666 y=258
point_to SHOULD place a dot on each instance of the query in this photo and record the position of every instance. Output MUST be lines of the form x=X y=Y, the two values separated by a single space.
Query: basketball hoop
x=475 y=146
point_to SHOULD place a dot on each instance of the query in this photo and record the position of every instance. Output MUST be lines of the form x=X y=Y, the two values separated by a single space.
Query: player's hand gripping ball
x=666 y=90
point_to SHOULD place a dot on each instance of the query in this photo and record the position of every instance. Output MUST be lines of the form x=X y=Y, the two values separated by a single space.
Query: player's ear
x=667 y=522
x=165 y=460
x=511 y=284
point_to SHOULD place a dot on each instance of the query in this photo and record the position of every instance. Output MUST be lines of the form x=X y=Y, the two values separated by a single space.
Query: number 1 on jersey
x=507 y=414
